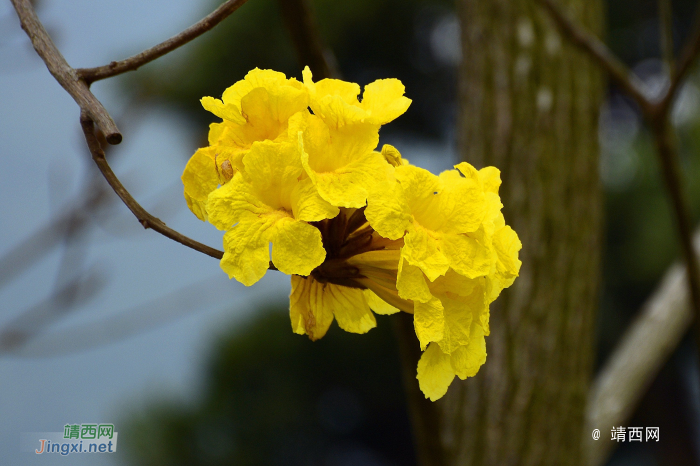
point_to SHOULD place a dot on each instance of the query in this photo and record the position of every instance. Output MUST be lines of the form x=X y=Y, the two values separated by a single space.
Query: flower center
x=344 y=236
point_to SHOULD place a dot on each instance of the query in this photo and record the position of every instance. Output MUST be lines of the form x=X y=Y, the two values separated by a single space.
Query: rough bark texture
x=529 y=106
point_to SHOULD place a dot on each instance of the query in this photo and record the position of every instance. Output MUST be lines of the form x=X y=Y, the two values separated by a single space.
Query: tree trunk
x=529 y=106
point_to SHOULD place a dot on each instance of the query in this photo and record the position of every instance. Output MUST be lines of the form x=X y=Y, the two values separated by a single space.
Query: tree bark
x=529 y=105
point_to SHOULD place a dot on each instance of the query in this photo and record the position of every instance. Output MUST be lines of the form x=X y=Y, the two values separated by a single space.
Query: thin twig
x=64 y=74
x=145 y=218
x=600 y=53
x=300 y=22
x=687 y=57
x=668 y=154
x=132 y=63
x=666 y=33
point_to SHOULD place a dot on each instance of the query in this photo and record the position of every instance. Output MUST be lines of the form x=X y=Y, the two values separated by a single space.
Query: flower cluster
x=294 y=165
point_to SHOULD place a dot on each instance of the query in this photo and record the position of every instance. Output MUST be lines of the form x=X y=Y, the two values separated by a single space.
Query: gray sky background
x=116 y=352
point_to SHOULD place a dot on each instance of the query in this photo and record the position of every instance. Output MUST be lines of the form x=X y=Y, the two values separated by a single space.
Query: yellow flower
x=339 y=139
x=268 y=203
x=256 y=108
x=462 y=348
x=435 y=212
x=337 y=103
x=359 y=231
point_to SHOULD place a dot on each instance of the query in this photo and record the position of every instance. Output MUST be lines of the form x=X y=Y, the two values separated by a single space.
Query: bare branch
x=300 y=22
x=145 y=218
x=687 y=57
x=600 y=53
x=647 y=344
x=64 y=74
x=115 y=68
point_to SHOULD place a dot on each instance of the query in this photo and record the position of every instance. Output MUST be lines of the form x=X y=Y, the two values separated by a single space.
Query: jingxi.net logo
x=75 y=438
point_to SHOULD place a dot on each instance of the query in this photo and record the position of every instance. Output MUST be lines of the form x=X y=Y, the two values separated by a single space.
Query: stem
x=686 y=58
x=144 y=218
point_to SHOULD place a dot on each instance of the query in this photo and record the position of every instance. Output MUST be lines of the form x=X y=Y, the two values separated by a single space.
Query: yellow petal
x=246 y=253
x=463 y=203
x=347 y=91
x=466 y=360
x=421 y=249
x=258 y=107
x=220 y=109
x=421 y=189
x=493 y=210
x=350 y=308
x=309 y=308
x=507 y=245
x=233 y=202
x=308 y=205
x=297 y=247
x=329 y=149
x=459 y=314
x=468 y=255
x=348 y=185
x=383 y=100
x=428 y=321
x=490 y=178
x=281 y=103
x=273 y=170
x=256 y=78
x=435 y=373
x=378 y=305
x=200 y=179
x=387 y=210
x=334 y=101
x=411 y=283
x=455 y=284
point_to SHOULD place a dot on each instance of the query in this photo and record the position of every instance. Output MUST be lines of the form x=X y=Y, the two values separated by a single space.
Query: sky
x=144 y=334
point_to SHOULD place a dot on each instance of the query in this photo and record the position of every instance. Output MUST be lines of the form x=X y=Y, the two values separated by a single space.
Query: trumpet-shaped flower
x=340 y=138
x=267 y=203
x=342 y=164
x=256 y=108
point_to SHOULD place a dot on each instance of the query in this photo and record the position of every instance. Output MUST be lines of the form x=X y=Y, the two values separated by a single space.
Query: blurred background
x=104 y=322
